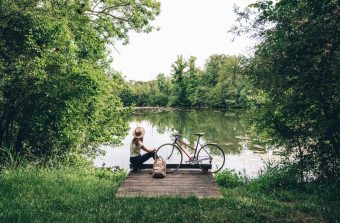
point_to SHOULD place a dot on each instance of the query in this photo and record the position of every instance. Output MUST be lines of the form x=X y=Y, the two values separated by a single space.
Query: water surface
x=227 y=128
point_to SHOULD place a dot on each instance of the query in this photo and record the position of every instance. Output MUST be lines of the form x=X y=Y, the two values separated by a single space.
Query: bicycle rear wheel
x=211 y=154
x=172 y=155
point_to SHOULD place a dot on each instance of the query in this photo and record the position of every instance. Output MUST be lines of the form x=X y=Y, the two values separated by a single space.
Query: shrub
x=230 y=179
x=275 y=176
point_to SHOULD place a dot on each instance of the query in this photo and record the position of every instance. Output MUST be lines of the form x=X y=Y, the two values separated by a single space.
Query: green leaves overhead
x=113 y=19
x=57 y=95
x=296 y=66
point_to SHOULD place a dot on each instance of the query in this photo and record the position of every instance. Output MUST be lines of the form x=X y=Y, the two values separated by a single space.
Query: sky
x=187 y=27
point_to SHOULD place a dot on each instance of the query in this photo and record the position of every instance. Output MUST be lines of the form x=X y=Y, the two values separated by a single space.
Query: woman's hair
x=135 y=140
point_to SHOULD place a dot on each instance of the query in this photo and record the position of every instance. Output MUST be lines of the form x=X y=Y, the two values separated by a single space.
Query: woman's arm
x=145 y=148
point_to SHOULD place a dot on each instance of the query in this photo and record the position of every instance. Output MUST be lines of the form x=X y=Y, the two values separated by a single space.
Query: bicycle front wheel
x=211 y=154
x=172 y=156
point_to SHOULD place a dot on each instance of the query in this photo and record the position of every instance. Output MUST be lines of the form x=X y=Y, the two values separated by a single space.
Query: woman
x=136 y=159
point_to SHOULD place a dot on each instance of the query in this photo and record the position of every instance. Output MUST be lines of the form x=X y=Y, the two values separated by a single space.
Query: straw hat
x=138 y=132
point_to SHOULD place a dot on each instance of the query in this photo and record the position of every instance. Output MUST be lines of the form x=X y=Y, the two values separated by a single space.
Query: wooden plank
x=179 y=183
x=183 y=166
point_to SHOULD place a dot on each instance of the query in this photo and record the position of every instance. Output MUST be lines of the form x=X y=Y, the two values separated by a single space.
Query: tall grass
x=278 y=189
x=87 y=194
x=42 y=194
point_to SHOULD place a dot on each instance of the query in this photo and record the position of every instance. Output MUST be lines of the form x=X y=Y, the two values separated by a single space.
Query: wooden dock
x=180 y=183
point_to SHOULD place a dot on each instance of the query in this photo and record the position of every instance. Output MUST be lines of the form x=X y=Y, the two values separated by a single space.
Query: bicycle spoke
x=172 y=155
x=213 y=155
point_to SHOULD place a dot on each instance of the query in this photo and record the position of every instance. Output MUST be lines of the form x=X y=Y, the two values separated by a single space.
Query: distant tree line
x=220 y=84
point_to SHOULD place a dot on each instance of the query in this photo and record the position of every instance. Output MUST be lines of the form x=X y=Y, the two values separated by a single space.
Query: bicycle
x=209 y=157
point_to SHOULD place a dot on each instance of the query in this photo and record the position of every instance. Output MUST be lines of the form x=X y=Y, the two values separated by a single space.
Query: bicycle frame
x=204 y=160
x=178 y=142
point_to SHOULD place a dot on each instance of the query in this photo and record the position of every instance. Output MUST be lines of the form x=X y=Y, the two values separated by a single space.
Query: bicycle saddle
x=176 y=135
x=200 y=134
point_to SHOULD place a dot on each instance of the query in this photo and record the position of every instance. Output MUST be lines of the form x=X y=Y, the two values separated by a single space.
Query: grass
x=71 y=194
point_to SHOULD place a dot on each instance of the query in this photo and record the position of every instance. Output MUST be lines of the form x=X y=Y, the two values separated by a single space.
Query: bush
x=230 y=179
x=276 y=176
x=58 y=96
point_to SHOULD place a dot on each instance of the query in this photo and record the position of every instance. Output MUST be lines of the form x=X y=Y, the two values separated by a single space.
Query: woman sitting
x=136 y=159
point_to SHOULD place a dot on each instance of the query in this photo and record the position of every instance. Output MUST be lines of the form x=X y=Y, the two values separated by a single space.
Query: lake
x=227 y=128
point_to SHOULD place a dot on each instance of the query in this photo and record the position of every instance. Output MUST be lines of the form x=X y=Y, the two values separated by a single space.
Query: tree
x=213 y=66
x=178 y=96
x=57 y=95
x=189 y=85
x=296 y=67
x=192 y=80
x=231 y=86
x=164 y=87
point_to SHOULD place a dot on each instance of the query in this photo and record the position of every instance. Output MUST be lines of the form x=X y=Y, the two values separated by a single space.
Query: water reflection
x=220 y=127
x=227 y=128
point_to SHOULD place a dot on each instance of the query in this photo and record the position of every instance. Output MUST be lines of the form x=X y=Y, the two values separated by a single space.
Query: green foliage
x=296 y=72
x=276 y=176
x=273 y=177
x=57 y=95
x=229 y=179
x=178 y=94
x=212 y=69
x=221 y=84
x=88 y=195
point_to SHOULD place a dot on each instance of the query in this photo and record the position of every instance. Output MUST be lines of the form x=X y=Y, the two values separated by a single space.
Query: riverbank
x=87 y=195
x=155 y=109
